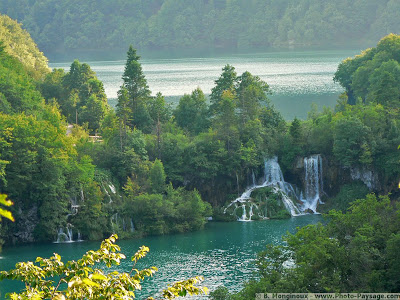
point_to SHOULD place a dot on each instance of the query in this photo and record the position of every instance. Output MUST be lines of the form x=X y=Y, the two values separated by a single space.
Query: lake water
x=223 y=253
x=297 y=79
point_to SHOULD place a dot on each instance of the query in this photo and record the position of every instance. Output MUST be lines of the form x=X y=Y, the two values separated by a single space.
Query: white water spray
x=313 y=183
x=273 y=177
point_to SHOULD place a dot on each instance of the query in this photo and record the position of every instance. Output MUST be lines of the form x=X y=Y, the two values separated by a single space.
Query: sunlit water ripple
x=285 y=72
x=223 y=253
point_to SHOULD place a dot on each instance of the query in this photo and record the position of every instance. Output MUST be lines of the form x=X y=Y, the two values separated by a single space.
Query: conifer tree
x=138 y=91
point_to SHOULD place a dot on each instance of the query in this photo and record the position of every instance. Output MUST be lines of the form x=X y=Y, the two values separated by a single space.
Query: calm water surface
x=297 y=79
x=223 y=253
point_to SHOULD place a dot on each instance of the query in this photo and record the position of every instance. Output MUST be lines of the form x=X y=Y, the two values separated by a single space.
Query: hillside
x=104 y=26
x=19 y=44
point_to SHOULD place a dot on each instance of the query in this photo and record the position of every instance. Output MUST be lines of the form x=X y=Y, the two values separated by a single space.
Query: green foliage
x=348 y=147
x=225 y=83
x=18 y=93
x=374 y=75
x=19 y=44
x=82 y=97
x=191 y=112
x=239 y=24
x=5 y=213
x=87 y=277
x=136 y=95
x=347 y=194
x=353 y=252
x=177 y=210
x=157 y=177
x=220 y=293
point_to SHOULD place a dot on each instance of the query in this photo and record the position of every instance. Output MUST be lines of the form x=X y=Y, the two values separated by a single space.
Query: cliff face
x=22 y=230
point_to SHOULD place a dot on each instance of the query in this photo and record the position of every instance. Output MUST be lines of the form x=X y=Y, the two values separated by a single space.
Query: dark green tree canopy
x=192 y=24
x=373 y=76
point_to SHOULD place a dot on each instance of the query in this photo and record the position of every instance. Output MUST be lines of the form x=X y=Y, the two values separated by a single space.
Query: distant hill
x=103 y=25
x=19 y=44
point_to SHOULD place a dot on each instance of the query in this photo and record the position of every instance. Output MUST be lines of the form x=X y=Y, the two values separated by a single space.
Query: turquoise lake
x=297 y=79
x=223 y=253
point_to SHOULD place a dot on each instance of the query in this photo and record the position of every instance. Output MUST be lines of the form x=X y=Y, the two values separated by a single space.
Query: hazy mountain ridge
x=192 y=24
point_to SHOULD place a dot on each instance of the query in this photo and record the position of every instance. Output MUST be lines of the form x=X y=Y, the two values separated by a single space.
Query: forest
x=95 y=26
x=76 y=168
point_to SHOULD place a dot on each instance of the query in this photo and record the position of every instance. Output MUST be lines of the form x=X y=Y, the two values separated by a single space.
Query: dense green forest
x=64 y=26
x=145 y=168
x=71 y=164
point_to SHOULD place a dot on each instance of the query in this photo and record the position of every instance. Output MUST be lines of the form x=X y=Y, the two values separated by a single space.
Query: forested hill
x=63 y=26
x=19 y=44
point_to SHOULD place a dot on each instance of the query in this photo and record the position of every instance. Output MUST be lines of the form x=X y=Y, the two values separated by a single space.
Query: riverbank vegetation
x=356 y=251
x=62 y=27
x=75 y=168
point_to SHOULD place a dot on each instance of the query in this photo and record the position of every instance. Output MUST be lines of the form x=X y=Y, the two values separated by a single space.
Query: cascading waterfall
x=63 y=237
x=313 y=183
x=67 y=237
x=273 y=177
x=112 y=188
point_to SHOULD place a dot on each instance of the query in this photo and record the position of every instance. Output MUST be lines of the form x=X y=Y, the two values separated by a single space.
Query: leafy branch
x=85 y=281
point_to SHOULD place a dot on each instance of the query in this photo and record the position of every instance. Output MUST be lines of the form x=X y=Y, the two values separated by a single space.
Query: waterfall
x=67 y=236
x=63 y=237
x=313 y=183
x=272 y=171
x=273 y=177
x=112 y=188
x=82 y=195
x=253 y=177
x=132 y=227
x=108 y=195
x=74 y=206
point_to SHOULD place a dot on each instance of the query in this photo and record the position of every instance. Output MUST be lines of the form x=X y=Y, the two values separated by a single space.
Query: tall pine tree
x=138 y=91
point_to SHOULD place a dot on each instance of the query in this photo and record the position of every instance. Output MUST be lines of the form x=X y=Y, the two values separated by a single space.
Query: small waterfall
x=74 y=206
x=272 y=171
x=112 y=188
x=132 y=227
x=63 y=237
x=244 y=215
x=69 y=233
x=273 y=178
x=253 y=176
x=313 y=183
x=108 y=195
x=67 y=236
x=290 y=206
